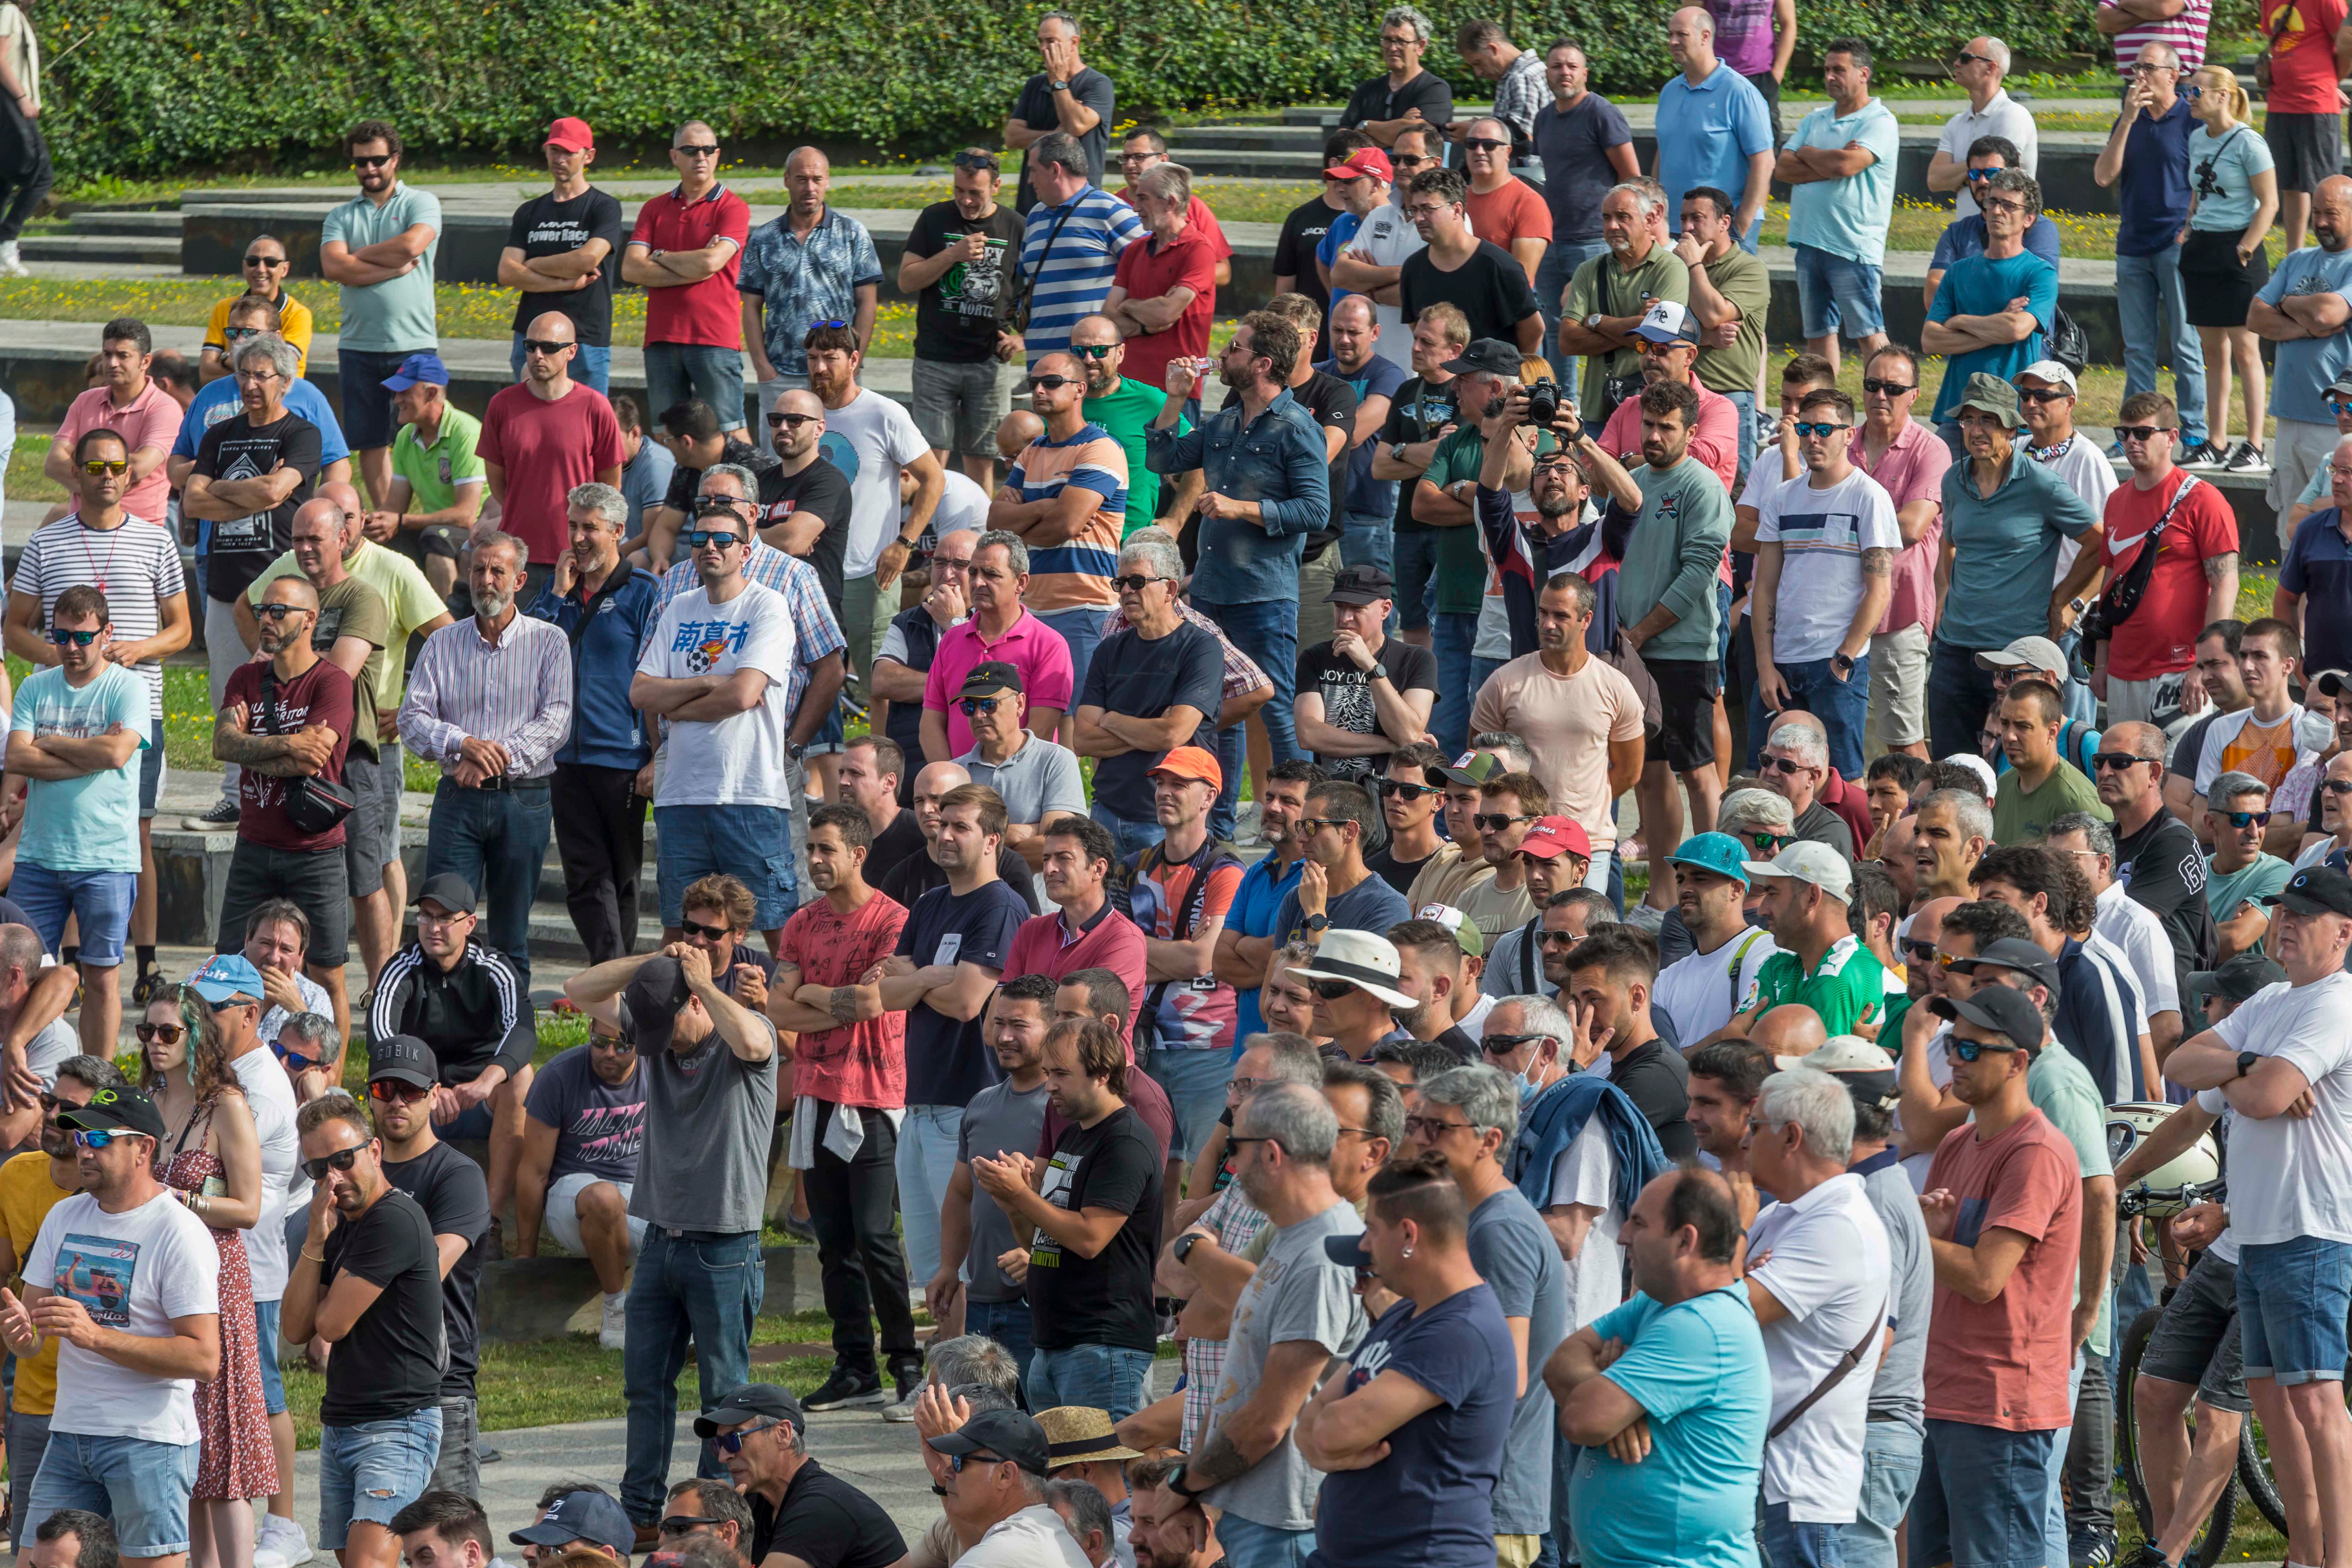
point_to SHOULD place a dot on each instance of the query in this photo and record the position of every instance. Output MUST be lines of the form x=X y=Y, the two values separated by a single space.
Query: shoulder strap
x=1030 y=275
x=269 y=699
x=1527 y=941
x=1837 y=1374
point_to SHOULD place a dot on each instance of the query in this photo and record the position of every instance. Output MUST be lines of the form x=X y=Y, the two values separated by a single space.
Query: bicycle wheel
x=2206 y=1551
x=2254 y=1477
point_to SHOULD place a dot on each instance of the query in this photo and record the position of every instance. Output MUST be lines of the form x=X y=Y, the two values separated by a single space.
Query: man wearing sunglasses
x=1356 y=975
x=990 y=1474
x=1064 y=498
x=760 y=1435
x=2238 y=875
x=687 y=251
x=560 y=247
x=1504 y=209
x=1990 y=113
x=1987 y=155
x=380 y=246
x=1409 y=807
x=544 y=437
x=1038 y=779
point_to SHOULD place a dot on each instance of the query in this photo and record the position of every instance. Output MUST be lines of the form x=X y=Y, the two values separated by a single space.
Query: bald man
x=543 y=438
x=805 y=498
x=1017 y=431
x=1714 y=128
x=687 y=253
x=1792 y=1029
x=910 y=875
x=2302 y=312
x=822 y=266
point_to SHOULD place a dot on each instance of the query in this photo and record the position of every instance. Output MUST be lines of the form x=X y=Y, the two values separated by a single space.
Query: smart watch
x=1319 y=924
x=2246 y=1060
x=1841 y=661
x=1184 y=1245
x=1378 y=672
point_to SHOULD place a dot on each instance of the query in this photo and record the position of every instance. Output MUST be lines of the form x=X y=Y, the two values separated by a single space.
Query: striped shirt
x=516 y=691
x=2101 y=1017
x=1077 y=572
x=2184 y=33
x=816 y=633
x=136 y=566
x=1073 y=275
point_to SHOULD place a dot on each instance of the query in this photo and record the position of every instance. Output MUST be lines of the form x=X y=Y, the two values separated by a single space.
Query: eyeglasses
x=2248 y=818
x=1496 y=821
x=1803 y=428
x=714 y=538
x=2142 y=432
x=2116 y=761
x=2042 y=393
x=978 y=705
x=708 y=933
x=95 y=465
x=274 y=611
x=1093 y=351
x=99 y=1138
x=1051 y=383
x=1560 y=938
x=1887 y=388
x=447 y=918
x=1239 y=1086
x=1970 y=1050
x=1789 y=765
x=708 y=150
x=390 y=1092
x=732 y=1442
x=1387 y=788
x=2000 y=204
x=341 y=1160
x=265 y=261
x=548 y=346
x=976 y=161
x=169 y=1034
x=1484 y=143
x=777 y=421
x=78 y=640
x=1429 y=1127
x=1136 y=582
x=376 y=162
x=1330 y=990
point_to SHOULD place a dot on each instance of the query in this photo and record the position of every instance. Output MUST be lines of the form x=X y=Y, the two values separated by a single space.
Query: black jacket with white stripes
x=472 y=1015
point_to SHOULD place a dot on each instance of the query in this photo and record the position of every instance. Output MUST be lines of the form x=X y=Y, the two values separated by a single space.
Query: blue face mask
x=1528 y=1090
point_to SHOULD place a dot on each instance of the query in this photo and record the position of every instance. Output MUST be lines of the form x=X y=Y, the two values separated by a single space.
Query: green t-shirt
x=1461 y=563
x=2021 y=815
x=434 y=472
x=1741 y=279
x=2061 y=1090
x=1848 y=985
x=1674 y=556
x=1123 y=415
x=1602 y=285
x=2256 y=879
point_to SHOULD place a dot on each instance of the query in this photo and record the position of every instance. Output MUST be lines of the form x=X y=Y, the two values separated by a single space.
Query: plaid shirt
x=1519 y=92
x=1235 y=1224
x=816 y=633
x=1242 y=674
x=807 y=280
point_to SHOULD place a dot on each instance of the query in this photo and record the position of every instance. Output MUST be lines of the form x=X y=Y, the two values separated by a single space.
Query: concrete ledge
x=537 y=1298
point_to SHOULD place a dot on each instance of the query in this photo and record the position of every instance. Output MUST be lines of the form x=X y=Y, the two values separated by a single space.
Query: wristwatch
x=1184 y=1245
x=1397 y=451
x=1841 y=661
x=1319 y=924
x=2246 y=1060
x=793 y=748
x=1592 y=321
x=1378 y=672
x=909 y=544
x=1059 y=86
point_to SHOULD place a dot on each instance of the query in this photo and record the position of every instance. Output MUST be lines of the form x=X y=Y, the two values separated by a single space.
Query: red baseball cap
x=571 y=134
x=1556 y=836
x=1191 y=762
x=1363 y=161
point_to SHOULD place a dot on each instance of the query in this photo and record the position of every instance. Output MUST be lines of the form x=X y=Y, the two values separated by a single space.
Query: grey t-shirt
x=703 y=1164
x=1296 y=1294
x=999 y=1119
x=1040 y=778
x=1512 y=1248
x=1899 y=1391
x=46 y=1051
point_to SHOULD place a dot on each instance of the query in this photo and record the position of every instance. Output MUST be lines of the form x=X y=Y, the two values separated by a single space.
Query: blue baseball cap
x=228 y=974
x=426 y=368
x=1718 y=852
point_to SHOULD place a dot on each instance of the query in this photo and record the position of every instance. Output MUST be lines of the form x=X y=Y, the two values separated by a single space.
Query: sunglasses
x=1484 y=143
x=2337 y=787
x=1051 y=383
x=96 y=465
x=1968 y=59
x=1311 y=825
x=238 y=334
x=273 y=612
x=341 y=1160
x=2042 y=393
x=298 y=1062
x=708 y=933
x=1970 y=1050
x=1135 y=582
x=1503 y=1044
x=1978 y=176
x=2116 y=761
x=1804 y=428
x=1560 y=938
x=99 y=1139
x=964 y=161
x=794 y=420
x=169 y=1034
x=1093 y=351
x=1925 y=952
x=607 y=1043
x=1332 y=990
x=1887 y=388
x=708 y=150
x=79 y=639
x=543 y=346
x=685 y=1523
x=1407 y=161
x=2247 y=819
x=2142 y=432
x=1768 y=842
x=973 y=705
x=392 y=1093
x=715 y=538
x=1388 y=787
x=732 y=1442
x=1496 y=821
x=377 y=161
x=265 y=261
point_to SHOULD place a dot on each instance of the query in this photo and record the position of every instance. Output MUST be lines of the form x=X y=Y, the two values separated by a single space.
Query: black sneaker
x=2094 y=1549
x=845 y=1390
x=2245 y=458
x=2200 y=455
x=149 y=986
x=2145 y=1555
x=220 y=815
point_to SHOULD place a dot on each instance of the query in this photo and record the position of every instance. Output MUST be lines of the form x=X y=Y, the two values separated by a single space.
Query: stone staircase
x=111 y=239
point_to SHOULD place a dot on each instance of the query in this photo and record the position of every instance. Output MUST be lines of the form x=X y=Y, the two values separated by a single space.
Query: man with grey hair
x=2131 y=926
x=604 y=770
x=1165 y=291
x=1406 y=97
x=489 y=701
x=1608 y=295
x=1298 y=1311
x=808 y=264
x=1068 y=96
x=1795 y=765
x=1978 y=70
x=544 y=437
x=21 y=976
x=2238 y=875
x=1753 y=811
x=1087 y=1514
x=1822 y=1298
x=1155 y=685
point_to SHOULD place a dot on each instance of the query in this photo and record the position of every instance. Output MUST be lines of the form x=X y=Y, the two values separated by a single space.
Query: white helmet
x=2197 y=1166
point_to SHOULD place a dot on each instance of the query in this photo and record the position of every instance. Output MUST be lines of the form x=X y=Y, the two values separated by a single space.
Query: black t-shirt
x=1375 y=100
x=1293 y=253
x=1034 y=108
x=1131 y=675
x=546 y=227
x=918 y=874
x=2191 y=746
x=1347 y=694
x=825 y=1522
x=1491 y=288
x=947 y=1061
x=455 y=1198
x=823 y=488
x=1418 y=410
x=238 y=449
x=684 y=481
x=390 y=1364
x=1397 y=874
x=1105 y=1299
x=2163 y=870
x=897 y=844
x=1657 y=1081
x=957 y=318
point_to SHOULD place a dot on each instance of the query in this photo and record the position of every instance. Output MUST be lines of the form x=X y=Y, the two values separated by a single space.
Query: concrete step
x=102 y=250
x=139 y=223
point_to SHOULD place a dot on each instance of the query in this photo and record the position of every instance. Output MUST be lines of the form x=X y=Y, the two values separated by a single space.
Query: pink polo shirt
x=150 y=419
x=1030 y=646
x=1044 y=945
x=1912 y=470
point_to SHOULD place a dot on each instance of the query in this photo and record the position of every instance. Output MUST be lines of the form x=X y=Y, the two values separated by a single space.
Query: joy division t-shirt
x=236 y=448
x=1348 y=700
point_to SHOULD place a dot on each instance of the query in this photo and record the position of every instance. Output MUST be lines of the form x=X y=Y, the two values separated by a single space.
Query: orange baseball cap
x=572 y=134
x=1192 y=762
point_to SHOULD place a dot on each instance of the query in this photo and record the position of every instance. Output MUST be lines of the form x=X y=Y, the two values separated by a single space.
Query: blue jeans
x=1787 y=1543
x=1890 y=1474
x=692 y=1284
x=265 y=1325
x=927 y=1159
x=1268 y=632
x=592 y=366
x=1839 y=705
x=2292 y=1297
x=1746 y=402
x=1093 y=1377
x=1553 y=275
x=1195 y=1082
x=1082 y=629
x=102 y=901
x=2134 y=1295
x=2054 y=1523
x=1251 y=1545
x=1131 y=835
x=367 y=1473
x=1412 y=557
x=676 y=372
x=496 y=839
x=1006 y=1323
x=752 y=844
x=2154 y=321
x=1480 y=670
x=1451 y=635
x=143 y=1486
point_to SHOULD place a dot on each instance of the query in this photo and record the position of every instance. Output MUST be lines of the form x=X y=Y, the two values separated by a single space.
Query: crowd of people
x=1042 y=797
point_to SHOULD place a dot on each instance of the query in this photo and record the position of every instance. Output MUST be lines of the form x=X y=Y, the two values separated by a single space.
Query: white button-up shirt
x=516 y=691
x=2004 y=117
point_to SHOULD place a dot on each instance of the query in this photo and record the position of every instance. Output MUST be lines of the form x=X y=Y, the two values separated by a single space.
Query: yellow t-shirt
x=26 y=1197
x=293 y=323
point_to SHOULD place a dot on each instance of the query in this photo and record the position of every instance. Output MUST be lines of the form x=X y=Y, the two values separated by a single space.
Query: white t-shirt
x=738 y=760
x=2085 y=469
x=1586 y=1173
x=1700 y=991
x=134 y=1271
x=2286 y=1171
x=964 y=505
x=1831 y=1267
x=870 y=439
x=271 y=1093
x=1821 y=534
x=2222 y=733
x=2004 y=116
x=1033 y=1538
x=2139 y=934
x=1385 y=240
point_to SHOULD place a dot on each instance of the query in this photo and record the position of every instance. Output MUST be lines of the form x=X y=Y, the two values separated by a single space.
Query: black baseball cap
x=1361 y=585
x=2016 y=952
x=1996 y=1007
x=2239 y=978
x=2315 y=890
x=1348 y=1251
x=750 y=1402
x=1007 y=1434
x=1485 y=356
x=651 y=1003
x=111 y=1110
x=404 y=1058
x=995 y=676
x=449 y=890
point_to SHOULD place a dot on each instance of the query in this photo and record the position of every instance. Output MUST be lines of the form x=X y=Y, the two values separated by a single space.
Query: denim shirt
x=606 y=730
x=1278 y=461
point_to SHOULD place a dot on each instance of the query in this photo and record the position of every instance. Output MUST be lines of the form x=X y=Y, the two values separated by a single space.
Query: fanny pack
x=313 y=805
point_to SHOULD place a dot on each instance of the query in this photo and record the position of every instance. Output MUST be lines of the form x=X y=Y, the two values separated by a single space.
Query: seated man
x=277 y=938
x=581 y=1125
x=465 y=1002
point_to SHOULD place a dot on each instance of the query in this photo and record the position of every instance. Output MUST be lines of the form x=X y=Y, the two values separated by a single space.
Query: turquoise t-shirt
x=1697 y=1368
x=1980 y=286
x=2222 y=170
x=400 y=314
x=92 y=823
x=2256 y=879
x=2004 y=549
x=2062 y=1088
x=1847 y=218
x=2306 y=366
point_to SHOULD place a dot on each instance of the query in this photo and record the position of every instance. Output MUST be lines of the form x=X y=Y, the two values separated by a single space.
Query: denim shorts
x=752 y=844
x=1982 y=1496
x=2292 y=1299
x=143 y=1486
x=151 y=780
x=1836 y=294
x=369 y=421
x=265 y=1325
x=100 y=900
x=676 y=372
x=367 y=1473
x=1790 y=1544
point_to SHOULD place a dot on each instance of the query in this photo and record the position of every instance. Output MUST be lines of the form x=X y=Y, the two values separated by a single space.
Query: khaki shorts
x=1516 y=1551
x=1898 y=686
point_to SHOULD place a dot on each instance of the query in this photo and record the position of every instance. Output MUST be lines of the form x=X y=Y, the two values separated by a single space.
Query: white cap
x=1982 y=769
x=2049 y=369
x=1808 y=861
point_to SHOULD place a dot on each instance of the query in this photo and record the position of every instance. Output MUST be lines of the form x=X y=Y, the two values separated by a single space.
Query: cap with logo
x=1362 y=959
x=1007 y=1434
x=1718 y=852
x=572 y=135
x=423 y=369
x=1191 y=762
x=2050 y=371
x=1469 y=768
x=2239 y=978
x=996 y=675
x=1556 y=836
x=2025 y=653
x=114 y=1109
x=1361 y=162
x=1365 y=584
x=1988 y=394
x=1485 y=356
x=750 y=1402
x=1807 y=862
x=1668 y=322
x=1466 y=934
x=1997 y=1007
x=404 y=1058
x=2315 y=890
x=584 y=1516
x=227 y=974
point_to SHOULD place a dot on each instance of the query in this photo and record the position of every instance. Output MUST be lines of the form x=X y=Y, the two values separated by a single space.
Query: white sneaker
x=280 y=1543
x=614 y=1335
x=11 y=263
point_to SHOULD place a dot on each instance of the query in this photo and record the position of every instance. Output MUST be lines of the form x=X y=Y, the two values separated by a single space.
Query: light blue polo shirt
x=2306 y=366
x=1707 y=135
x=2004 y=551
x=1847 y=218
x=396 y=316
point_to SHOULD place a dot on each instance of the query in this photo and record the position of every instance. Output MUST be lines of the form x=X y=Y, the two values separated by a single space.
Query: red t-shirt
x=2005 y=1362
x=1511 y=211
x=1150 y=269
x=2302 y=61
x=1198 y=217
x=546 y=449
x=320 y=696
x=2162 y=634
x=861 y=1064
x=708 y=312
x=1110 y=940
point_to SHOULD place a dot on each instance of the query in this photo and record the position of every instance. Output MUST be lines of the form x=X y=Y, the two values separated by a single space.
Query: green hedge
x=262 y=84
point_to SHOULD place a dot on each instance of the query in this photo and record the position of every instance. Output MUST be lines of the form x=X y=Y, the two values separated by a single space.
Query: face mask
x=1528 y=1089
x=2314 y=731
